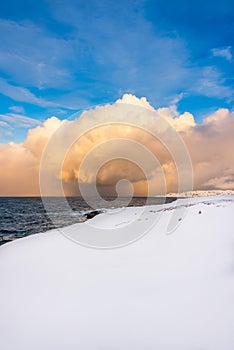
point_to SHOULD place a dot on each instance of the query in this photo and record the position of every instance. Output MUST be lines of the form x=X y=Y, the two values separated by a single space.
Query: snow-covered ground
x=163 y=292
x=201 y=193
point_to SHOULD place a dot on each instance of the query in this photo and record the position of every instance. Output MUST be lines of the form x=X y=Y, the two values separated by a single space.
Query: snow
x=162 y=292
x=201 y=193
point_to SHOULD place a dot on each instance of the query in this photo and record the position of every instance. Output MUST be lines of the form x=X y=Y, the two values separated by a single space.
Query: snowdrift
x=163 y=292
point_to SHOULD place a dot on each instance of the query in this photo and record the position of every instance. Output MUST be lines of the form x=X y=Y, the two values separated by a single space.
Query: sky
x=57 y=58
x=61 y=58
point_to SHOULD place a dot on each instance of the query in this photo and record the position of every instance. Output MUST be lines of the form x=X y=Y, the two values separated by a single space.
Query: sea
x=23 y=216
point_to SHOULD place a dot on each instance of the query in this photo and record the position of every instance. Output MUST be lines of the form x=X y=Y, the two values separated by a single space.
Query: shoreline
x=89 y=215
x=79 y=212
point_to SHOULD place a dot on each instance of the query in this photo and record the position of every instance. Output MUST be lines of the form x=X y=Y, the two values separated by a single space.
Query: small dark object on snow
x=180 y=219
x=199 y=212
x=93 y=213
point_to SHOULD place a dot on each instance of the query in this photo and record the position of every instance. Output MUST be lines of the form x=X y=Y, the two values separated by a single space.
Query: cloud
x=79 y=65
x=217 y=117
x=131 y=99
x=210 y=146
x=33 y=65
x=210 y=82
x=223 y=53
x=3 y=124
x=17 y=120
x=130 y=52
x=17 y=109
x=19 y=163
x=18 y=93
x=4 y=130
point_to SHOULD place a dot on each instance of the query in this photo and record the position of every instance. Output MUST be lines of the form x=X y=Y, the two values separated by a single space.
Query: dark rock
x=93 y=213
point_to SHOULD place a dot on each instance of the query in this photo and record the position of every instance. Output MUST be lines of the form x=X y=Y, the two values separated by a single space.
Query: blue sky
x=57 y=57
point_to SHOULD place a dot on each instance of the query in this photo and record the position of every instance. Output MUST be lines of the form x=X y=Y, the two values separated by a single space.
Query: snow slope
x=163 y=292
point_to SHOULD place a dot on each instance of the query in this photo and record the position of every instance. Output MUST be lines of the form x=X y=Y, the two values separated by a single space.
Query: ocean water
x=23 y=216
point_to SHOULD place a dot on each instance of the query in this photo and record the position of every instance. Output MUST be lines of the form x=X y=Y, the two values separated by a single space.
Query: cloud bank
x=209 y=144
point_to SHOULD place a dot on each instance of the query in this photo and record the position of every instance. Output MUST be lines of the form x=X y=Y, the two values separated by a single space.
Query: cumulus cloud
x=20 y=163
x=132 y=99
x=210 y=146
x=109 y=152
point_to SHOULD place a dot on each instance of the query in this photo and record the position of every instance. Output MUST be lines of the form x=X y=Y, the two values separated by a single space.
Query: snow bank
x=163 y=292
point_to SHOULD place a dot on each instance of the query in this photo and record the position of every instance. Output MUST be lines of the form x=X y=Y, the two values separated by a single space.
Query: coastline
x=23 y=216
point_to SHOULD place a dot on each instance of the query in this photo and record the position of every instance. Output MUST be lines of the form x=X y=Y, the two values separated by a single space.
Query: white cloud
x=21 y=94
x=140 y=59
x=3 y=124
x=17 y=120
x=223 y=52
x=217 y=117
x=131 y=99
x=4 y=130
x=17 y=109
x=211 y=82
x=30 y=56
x=177 y=98
x=90 y=63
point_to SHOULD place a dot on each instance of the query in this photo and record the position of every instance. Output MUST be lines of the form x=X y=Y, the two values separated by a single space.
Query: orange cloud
x=104 y=152
x=211 y=149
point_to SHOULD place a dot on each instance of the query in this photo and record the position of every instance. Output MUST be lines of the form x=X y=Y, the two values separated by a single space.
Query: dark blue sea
x=23 y=216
